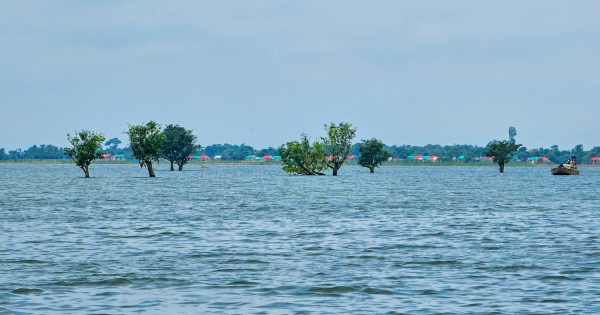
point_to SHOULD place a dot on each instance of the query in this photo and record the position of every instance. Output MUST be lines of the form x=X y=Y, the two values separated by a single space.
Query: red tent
x=202 y=157
x=433 y=157
x=267 y=157
x=106 y=155
x=544 y=158
x=330 y=157
x=595 y=158
x=418 y=157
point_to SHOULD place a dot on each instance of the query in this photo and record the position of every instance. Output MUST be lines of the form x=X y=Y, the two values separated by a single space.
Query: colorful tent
x=277 y=157
x=204 y=157
x=460 y=158
x=106 y=156
x=544 y=159
x=120 y=156
x=195 y=157
x=250 y=156
x=258 y=158
x=595 y=158
x=351 y=157
x=418 y=157
x=426 y=157
x=533 y=158
x=433 y=157
x=190 y=157
x=217 y=157
x=267 y=157
x=410 y=157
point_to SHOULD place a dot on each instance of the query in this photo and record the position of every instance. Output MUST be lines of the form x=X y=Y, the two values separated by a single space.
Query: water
x=253 y=240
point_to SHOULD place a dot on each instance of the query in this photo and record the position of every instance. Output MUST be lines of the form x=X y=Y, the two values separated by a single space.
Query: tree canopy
x=178 y=144
x=302 y=157
x=372 y=154
x=113 y=143
x=338 y=144
x=145 y=142
x=87 y=146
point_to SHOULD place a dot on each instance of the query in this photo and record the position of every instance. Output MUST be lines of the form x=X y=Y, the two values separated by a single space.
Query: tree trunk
x=87 y=172
x=372 y=169
x=501 y=167
x=181 y=167
x=172 y=169
x=335 y=171
x=150 y=169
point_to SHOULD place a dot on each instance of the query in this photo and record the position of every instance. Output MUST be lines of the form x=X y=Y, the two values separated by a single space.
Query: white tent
x=217 y=157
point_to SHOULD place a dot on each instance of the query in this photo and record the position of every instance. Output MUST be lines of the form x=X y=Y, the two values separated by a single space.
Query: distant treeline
x=398 y=152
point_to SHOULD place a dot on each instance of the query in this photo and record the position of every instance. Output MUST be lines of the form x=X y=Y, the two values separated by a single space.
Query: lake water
x=253 y=240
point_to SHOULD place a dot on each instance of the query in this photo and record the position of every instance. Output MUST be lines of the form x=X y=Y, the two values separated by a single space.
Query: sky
x=264 y=72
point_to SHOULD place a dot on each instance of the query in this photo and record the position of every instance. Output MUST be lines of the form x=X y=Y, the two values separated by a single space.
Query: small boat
x=567 y=169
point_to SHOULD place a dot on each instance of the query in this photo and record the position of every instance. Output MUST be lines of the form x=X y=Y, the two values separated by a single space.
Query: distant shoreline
x=405 y=163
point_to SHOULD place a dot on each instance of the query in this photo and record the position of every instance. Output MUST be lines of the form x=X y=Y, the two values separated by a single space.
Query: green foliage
x=512 y=133
x=229 y=151
x=338 y=144
x=302 y=157
x=86 y=148
x=178 y=144
x=502 y=151
x=3 y=155
x=145 y=143
x=372 y=154
x=113 y=143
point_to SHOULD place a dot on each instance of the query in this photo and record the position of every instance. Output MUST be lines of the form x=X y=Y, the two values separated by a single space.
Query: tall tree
x=501 y=151
x=512 y=133
x=372 y=154
x=113 y=143
x=145 y=142
x=303 y=158
x=86 y=148
x=178 y=144
x=338 y=144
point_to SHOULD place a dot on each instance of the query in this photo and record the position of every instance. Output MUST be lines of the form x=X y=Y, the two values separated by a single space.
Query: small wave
x=559 y=278
x=377 y=291
x=332 y=290
x=244 y=283
x=25 y=291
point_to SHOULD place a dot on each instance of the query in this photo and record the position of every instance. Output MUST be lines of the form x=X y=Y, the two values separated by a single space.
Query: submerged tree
x=501 y=151
x=372 y=154
x=178 y=145
x=303 y=158
x=338 y=144
x=86 y=148
x=145 y=142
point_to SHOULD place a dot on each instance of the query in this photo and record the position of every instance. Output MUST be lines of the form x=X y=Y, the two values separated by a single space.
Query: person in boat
x=569 y=161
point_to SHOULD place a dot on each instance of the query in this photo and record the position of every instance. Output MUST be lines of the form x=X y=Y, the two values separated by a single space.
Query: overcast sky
x=263 y=72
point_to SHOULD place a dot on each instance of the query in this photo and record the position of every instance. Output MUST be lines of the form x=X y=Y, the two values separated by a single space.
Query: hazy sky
x=263 y=72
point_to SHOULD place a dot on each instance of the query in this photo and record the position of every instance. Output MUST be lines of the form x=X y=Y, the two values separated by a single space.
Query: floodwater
x=254 y=240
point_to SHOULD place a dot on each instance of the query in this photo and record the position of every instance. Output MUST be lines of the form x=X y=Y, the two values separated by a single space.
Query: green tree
x=145 y=142
x=554 y=148
x=3 y=155
x=303 y=158
x=338 y=144
x=372 y=154
x=501 y=151
x=578 y=149
x=512 y=133
x=178 y=144
x=113 y=143
x=86 y=148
